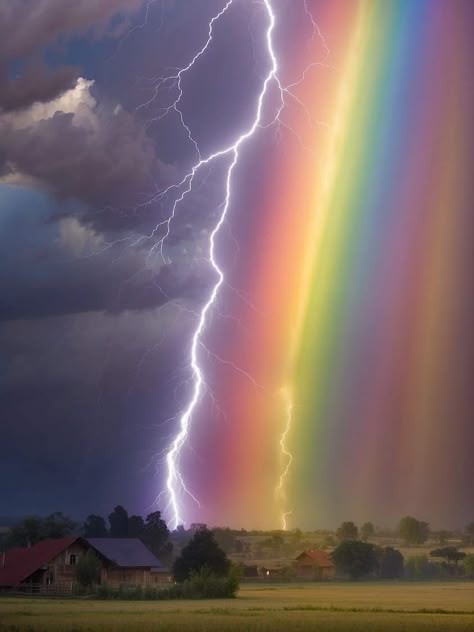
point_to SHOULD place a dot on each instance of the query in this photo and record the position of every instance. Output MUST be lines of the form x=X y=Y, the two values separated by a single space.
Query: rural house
x=128 y=561
x=314 y=565
x=49 y=566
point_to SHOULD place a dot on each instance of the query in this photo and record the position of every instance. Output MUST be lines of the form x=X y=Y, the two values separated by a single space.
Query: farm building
x=49 y=566
x=128 y=561
x=314 y=565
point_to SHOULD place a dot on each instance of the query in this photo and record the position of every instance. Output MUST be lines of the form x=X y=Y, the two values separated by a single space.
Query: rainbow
x=354 y=291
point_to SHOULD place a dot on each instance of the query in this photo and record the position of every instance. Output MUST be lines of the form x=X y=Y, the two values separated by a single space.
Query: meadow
x=330 y=607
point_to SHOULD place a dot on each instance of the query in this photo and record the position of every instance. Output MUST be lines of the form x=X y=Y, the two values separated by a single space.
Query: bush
x=355 y=558
x=469 y=566
x=390 y=563
x=202 y=551
x=419 y=567
x=202 y=584
x=87 y=569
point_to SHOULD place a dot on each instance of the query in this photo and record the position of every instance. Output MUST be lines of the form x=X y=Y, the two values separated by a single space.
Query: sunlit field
x=271 y=608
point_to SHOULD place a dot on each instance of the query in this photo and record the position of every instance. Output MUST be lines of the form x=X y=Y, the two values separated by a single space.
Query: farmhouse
x=127 y=561
x=314 y=565
x=49 y=566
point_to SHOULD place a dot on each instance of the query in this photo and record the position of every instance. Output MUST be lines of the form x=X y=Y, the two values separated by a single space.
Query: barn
x=314 y=564
x=49 y=565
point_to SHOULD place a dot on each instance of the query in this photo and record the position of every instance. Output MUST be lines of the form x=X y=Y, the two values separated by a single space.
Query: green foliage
x=356 y=559
x=118 y=521
x=201 y=551
x=390 y=563
x=87 y=569
x=136 y=526
x=155 y=535
x=413 y=531
x=200 y=585
x=347 y=531
x=449 y=554
x=206 y=585
x=468 y=565
x=367 y=531
x=419 y=567
x=94 y=527
x=34 y=529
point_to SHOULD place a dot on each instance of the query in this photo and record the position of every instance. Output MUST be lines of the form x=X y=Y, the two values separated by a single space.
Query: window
x=72 y=559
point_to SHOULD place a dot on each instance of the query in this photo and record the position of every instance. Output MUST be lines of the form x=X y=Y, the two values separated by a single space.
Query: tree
x=347 y=531
x=57 y=525
x=355 y=558
x=28 y=532
x=94 y=527
x=118 y=521
x=136 y=526
x=86 y=569
x=469 y=566
x=155 y=535
x=413 y=531
x=449 y=554
x=419 y=567
x=390 y=563
x=202 y=551
x=34 y=529
x=367 y=531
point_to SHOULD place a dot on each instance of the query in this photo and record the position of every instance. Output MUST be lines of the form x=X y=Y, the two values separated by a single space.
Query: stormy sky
x=95 y=320
x=95 y=329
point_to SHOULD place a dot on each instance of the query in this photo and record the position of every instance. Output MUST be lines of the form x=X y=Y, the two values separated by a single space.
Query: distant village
x=55 y=555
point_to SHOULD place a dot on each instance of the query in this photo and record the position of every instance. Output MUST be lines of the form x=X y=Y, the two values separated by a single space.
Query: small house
x=49 y=566
x=127 y=561
x=314 y=565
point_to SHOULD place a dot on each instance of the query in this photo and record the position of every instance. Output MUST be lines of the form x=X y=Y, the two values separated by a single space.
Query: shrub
x=201 y=551
x=87 y=569
x=355 y=558
x=469 y=566
x=202 y=584
x=419 y=567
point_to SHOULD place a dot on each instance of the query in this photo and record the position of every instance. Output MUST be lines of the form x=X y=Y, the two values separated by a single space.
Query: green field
x=360 y=607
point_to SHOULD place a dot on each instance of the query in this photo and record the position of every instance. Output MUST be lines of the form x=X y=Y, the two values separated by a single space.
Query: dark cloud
x=28 y=26
x=36 y=84
x=98 y=154
x=75 y=271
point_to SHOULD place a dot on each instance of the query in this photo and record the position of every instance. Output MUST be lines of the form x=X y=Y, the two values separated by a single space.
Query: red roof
x=18 y=564
x=319 y=558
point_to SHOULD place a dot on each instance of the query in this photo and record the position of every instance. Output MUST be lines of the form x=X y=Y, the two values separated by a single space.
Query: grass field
x=335 y=607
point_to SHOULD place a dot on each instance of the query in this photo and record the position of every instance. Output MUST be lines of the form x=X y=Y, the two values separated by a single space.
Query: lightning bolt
x=286 y=455
x=174 y=480
x=175 y=484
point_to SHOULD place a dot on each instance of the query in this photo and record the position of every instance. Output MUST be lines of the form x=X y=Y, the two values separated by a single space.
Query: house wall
x=161 y=577
x=58 y=575
x=307 y=569
x=125 y=576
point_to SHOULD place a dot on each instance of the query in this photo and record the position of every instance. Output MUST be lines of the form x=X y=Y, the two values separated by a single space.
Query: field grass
x=335 y=607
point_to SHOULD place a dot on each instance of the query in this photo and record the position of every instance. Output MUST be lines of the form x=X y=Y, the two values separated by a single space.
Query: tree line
x=151 y=530
x=409 y=529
